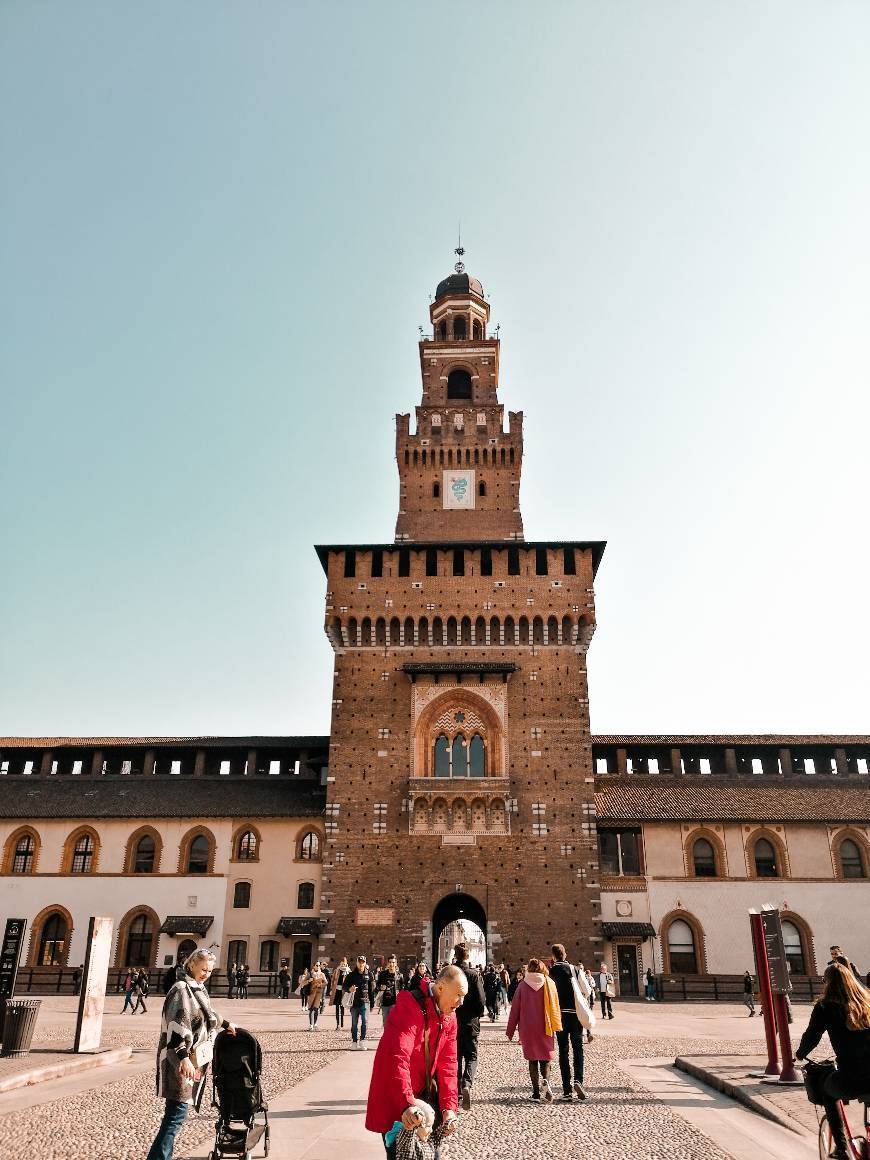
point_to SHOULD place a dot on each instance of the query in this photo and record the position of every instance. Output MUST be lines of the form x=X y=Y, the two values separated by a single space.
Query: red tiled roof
x=730 y=739
x=656 y=799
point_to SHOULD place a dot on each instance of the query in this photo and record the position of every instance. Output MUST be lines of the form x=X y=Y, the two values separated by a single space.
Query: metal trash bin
x=19 y=1021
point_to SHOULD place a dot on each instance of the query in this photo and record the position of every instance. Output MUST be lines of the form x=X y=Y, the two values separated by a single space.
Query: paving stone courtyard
x=111 y=1114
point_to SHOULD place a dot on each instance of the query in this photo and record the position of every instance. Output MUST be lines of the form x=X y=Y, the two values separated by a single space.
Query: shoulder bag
x=202 y=1053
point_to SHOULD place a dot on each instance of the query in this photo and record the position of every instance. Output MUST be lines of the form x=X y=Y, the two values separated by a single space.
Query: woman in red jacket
x=399 y=1071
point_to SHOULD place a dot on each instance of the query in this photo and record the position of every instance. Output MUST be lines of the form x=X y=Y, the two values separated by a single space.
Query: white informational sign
x=458 y=489
x=89 y=1026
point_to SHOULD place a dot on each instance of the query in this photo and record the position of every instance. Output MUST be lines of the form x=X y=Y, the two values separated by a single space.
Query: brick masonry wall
x=535 y=889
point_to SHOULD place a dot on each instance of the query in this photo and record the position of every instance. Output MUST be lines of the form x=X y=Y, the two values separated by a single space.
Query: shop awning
x=290 y=927
x=613 y=930
x=187 y=924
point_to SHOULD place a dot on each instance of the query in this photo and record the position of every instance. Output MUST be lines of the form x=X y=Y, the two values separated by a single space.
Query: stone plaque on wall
x=375 y=916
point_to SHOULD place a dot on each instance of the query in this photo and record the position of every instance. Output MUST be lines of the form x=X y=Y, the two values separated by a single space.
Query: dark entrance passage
x=626 y=958
x=301 y=959
x=451 y=910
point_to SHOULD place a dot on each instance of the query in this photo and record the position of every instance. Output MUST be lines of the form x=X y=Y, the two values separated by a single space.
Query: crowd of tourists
x=426 y=1062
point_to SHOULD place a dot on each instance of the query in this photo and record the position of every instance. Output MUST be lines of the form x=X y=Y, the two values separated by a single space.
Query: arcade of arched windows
x=457 y=815
x=437 y=457
x=454 y=631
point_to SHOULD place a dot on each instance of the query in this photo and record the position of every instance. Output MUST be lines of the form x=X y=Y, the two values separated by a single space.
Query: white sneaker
x=363 y=1047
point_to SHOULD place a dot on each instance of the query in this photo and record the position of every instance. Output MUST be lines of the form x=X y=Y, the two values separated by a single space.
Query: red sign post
x=762 y=972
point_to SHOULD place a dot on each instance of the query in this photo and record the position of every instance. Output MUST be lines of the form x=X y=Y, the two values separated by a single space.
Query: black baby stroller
x=238 y=1095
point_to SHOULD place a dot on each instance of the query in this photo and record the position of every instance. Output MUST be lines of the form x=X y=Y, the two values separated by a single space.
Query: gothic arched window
x=765 y=859
x=460 y=327
x=22 y=859
x=682 y=952
x=851 y=862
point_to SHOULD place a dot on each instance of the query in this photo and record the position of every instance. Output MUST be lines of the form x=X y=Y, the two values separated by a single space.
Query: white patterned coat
x=183 y=1025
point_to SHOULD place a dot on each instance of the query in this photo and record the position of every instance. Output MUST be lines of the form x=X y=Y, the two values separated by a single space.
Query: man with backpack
x=468 y=1024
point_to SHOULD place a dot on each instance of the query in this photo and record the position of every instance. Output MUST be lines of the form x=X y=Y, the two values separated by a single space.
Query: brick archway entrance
x=452 y=908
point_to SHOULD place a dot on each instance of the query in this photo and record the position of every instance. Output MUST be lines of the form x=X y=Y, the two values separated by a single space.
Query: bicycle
x=859 y=1146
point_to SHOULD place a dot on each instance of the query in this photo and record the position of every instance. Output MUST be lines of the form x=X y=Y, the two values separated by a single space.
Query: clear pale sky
x=221 y=224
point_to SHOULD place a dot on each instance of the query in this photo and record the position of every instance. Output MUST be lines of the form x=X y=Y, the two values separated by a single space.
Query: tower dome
x=458 y=283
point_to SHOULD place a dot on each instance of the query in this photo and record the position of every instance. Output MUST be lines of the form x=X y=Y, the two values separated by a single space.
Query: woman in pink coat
x=536 y=1015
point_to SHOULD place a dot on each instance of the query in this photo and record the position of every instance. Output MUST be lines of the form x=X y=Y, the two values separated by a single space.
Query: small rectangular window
x=601 y=765
x=431 y=561
x=704 y=765
x=862 y=765
x=4 y=768
x=175 y=768
x=652 y=765
x=28 y=768
x=809 y=766
x=350 y=562
x=486 y=561
x=53 y=768
x=76 y=768
x=513 y=561
x=540 y=561
x=377 y=562
x=404 y=561
x=570 y=562
x=757 y=766
x=225 y=769
x=458 y=562
x=274 y=768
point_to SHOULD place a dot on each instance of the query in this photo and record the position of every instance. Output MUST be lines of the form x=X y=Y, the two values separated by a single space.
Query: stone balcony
x=460 y=809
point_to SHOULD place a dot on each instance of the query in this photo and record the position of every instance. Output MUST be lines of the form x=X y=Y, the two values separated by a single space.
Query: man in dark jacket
x=571 y=1034
x=468 y=1024
x=390 y=982
x=361 y=984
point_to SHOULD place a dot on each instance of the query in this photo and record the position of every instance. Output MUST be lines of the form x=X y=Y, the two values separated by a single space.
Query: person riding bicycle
x=843 y=1010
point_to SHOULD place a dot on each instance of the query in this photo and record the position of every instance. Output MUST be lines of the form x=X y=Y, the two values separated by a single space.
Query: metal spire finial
x=459 y=251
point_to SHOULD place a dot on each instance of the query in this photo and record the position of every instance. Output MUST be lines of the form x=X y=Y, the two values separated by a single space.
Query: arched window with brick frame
x=797 y=941
x=246 y=844
x=683 y=944
x=50 y=935
x=144 y=849
x=137 y=938
x=705 y=854
x=766 y=856
x=309 y=848
x=196 y=855
x=81 y=851
x=460 y=735
x=21 y=851
x=851 y=854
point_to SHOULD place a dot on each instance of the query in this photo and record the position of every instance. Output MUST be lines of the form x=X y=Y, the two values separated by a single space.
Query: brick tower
x=460 y=772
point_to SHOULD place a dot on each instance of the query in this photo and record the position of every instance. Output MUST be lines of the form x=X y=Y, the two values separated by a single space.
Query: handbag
x=346 y=998
x=815 y=1076
x=581 y=1007
x=202 y=1053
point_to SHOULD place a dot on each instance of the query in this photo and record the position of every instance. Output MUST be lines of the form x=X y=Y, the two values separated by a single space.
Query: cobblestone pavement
x=619 y=1119
x=117 y=1121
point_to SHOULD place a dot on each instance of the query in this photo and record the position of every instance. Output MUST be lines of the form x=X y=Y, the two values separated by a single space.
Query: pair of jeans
x=339 y=1014
x=313 y=1012
x=385 y=1012
x=606 y=1005
x=128 y=1000
x=571 y=1036
x=359 y=1021
x=466 y=1051
x=164 y=1142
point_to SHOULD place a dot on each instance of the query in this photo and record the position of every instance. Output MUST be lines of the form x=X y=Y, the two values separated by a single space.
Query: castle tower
x=459 y=472
x=460 y=779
